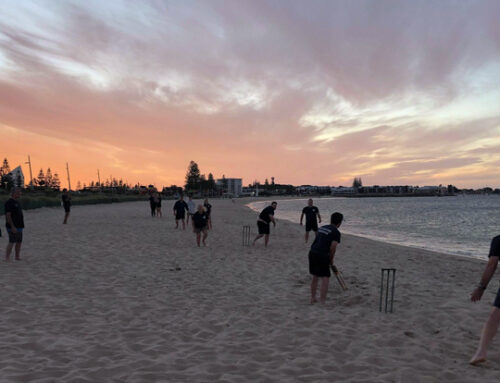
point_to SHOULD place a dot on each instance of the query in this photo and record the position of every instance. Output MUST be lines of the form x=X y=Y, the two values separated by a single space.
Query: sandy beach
x=116 y=296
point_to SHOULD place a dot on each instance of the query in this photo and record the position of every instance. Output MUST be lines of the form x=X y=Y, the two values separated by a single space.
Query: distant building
x=230 y=186
x=343 y=190
x=17 y=177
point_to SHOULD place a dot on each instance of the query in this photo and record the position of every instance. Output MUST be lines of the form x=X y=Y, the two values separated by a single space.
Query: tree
x=6 y=181
x=56 y=183
x=5 y=167
x=40 y=179
x=49 y=179
x=193 y=178
x=78 y=186
x=211 y=182
x=357 y=183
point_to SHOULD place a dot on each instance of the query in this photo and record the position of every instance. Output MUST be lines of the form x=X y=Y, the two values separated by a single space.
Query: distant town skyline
x=394 y=92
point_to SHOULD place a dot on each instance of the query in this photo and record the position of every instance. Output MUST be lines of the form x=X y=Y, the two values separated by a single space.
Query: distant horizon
x=394 y=92
x=74 y=181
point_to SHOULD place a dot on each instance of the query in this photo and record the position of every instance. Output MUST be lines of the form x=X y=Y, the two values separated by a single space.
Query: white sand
x=100 y=300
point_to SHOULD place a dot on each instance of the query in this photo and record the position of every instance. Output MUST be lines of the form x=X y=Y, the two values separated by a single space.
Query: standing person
x=66 y=201
x=321 y=256
x=152 y=204
x=191 y=208
x=491 y=326
x=200 y=222
x=14 y=221
x=266 y=216
x=180 y=208
x=312 y=217
x=157 y=200
x=208 y=209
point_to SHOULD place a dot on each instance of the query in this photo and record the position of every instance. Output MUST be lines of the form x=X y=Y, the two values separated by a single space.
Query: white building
x=17 y=177
x=231 y=186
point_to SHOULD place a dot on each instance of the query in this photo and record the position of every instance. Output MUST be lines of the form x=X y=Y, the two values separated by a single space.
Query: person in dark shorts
x=157 y=201
x=180 y=208
x=491 y=326
x=208 y=209
x=312 y=217
x=14 y=221
x=321 y=256
x=66 y=202
x=152 y=204
x=200 y=224
x=266 y=216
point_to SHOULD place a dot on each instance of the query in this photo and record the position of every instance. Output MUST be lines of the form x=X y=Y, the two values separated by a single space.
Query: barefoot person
x=208 y=209
x=266 y=216
x=312 y=216
x=191 y=209
x=180 y=208
x=321 y=256
x=200 y=224
x=14 y=221
x=491 y=326
x=66 y=201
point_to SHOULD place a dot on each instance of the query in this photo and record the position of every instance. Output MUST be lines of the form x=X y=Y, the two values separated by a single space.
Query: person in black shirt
x=200 y=224
x=266 y=216
x=321 y=255
x=157 y=201
x=312 y=216
x=208 y=209
x=491 y=326
x=66 y=202
x=14 y=221
x=180 y=209
x=152 y=205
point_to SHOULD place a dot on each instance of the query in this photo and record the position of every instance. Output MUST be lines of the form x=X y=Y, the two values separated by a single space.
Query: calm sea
x=461 y=225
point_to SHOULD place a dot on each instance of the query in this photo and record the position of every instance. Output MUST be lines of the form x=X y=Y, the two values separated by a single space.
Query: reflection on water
x=462 y=225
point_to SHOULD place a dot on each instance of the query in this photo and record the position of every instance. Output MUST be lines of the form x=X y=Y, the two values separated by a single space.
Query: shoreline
x=368 y=236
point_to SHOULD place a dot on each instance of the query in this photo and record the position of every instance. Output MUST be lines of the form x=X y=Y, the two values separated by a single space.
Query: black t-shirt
x=310 y=213
x=264 y=214
x=66 y=200
x=180 y=206
x=495 y=247
x=13 y=207
x=208 y=207
x=200 y=220
x=326 y=235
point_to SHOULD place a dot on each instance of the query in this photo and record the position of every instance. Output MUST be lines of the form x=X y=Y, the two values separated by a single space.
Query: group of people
x=201 y=217
x=321 y=254
x=322 y=250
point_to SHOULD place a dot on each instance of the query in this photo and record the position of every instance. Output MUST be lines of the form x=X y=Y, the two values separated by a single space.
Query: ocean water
x=463 y=225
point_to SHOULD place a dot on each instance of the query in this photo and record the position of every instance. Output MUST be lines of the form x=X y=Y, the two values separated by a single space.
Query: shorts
x=319 y=264
x=67 y=208
x=15 y=237
x=179 y=216
x=200 y=229
x=263 y=227
x=497 y=300
x=312 y=226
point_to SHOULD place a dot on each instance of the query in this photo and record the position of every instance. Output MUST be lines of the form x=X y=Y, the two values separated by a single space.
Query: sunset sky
x=310 y=92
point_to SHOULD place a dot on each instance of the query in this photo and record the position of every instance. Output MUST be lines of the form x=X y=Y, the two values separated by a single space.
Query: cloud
x=312 y=93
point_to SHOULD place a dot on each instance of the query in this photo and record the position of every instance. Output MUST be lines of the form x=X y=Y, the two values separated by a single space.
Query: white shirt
x=191 y=207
